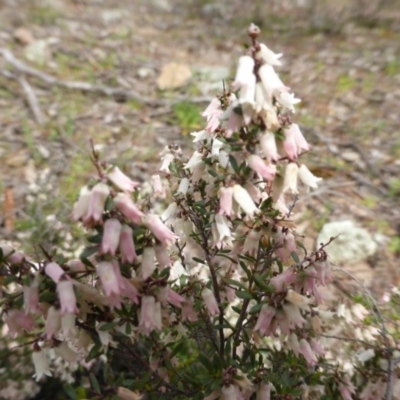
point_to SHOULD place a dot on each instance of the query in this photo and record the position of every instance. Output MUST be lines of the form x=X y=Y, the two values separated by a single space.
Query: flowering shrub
x=216 y=297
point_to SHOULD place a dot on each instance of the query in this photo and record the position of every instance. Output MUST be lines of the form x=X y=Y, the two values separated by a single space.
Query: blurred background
x=134 y=75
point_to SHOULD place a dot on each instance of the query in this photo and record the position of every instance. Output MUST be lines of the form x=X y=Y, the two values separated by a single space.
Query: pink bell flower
x=212 y=108
x=229 y=392
x=98 y=198
x=108 y=278
x=111 y=237
x=225 y=201
x=244 y=200
x=128 y=208
x=66 y=295
x=316 y=346
x=294 y=141
x=121 y=181
x=148 y=264
x=307 y=177
x=158 y=188
x=162 y=256
x=268 y=56
x=263 y=391
x=293 y=315
x=150 y=315
x=54 y=271
x=267 y=171
x=81 y=207
x=174 y=298
x=346 y=389
x=294 y=344
x=53 y=322
x=267 y=314
x=244 y=72
x=210 y=301
x=31 y=297
x=18 y=320
x=164 y=235
x=188 y=311
x=284 y=280
x=290 y=180
x=307 y=352
x=130 y=291
x=40 y=363
x=268 y=146
x=127 y=245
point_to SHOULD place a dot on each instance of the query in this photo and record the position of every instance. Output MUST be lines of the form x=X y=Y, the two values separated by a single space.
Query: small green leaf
x=243 y=295
x=255 y=309
x=234 y=163
x=109 y=325
x=94 y=383
x=295 y=257
x=70 y=391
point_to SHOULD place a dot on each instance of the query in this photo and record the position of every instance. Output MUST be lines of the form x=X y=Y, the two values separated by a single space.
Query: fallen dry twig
x=87 y=87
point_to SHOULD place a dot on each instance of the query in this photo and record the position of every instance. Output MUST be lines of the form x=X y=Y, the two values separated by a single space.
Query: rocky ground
x=145 y=69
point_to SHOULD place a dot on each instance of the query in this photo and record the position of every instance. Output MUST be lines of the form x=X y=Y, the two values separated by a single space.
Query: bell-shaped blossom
x=198 y=172
x=40 y=363
x=108 y=279
x=65 y=352
x=164 y=235
x=31 y=297
x=298 y=300
x=225 y=201
x=247 y=99
x=128 y=290
x=98 y=198
x=252 y=241
x=166 y=161
x=68 y=324
x=194 y=160
x=244 y=72
x=53 y=322
x=148 y=263
x=290 y=181
x=293 y=315
x=162 y=256
x=281 y=206
x=267 y=55
x=121 y=181
x=223 y=159
x=324 y=272
x=54 y=271
x=294 y=344
x=128 y=208
x=183 y=186
x=201 y=135
x=263 y=391
x=284 y=280
x=188 y=311
x=224 y=235
x=307 y=177
x=66 y=295
x=81 y=207
x=158 y=188
x=270 y=80
x=254 y=192
x=347 y=389
x=287 y=100
x=127 y=245
x=212 y=108
x=210 y=301
x=267 y=171
x=267 y=313
x=216 y=147
x=150 y=315
x=174 y=298
x=294 y=141
x=229 y=392
x=307 y=352
x=316 y=346
x=17 y=321
x=111 y=237
x=244 y=200
x=169 y=212
x=268 y=146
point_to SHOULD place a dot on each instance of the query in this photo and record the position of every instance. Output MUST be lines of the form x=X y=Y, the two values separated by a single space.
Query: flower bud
x=121 y=181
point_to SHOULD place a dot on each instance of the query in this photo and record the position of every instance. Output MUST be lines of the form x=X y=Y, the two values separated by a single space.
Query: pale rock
x=37 y=52
x=173 y=75
x=23 y=35
x=354 y=244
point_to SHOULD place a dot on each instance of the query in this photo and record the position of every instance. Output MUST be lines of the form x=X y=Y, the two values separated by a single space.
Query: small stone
x=44 y=152
x=350 y=156
x=30 y=172
x=112 y=15
x=19 y=159
x=23 y=35
x=173 y=76
x=352 y=245
x=144 y=72
x=37 y=52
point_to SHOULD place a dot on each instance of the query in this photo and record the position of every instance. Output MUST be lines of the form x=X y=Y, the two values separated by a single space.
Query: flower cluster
x=216 y=297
